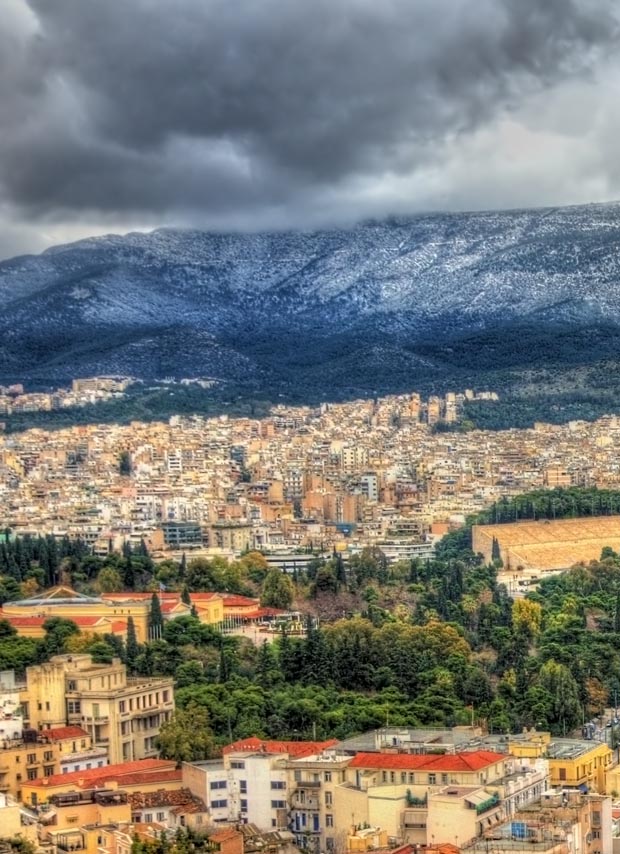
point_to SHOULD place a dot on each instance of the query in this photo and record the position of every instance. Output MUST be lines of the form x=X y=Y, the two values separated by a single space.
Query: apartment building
x=144 y=775
x=119 y=713
x=562 y=822
x=320 y=791
x=251 y=782
x=38 y=755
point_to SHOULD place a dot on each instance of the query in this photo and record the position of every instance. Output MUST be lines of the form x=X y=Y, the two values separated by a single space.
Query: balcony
x=307 y=784
x=96 y=719
x=298 y=803
x=487 y=805
x=66 y=842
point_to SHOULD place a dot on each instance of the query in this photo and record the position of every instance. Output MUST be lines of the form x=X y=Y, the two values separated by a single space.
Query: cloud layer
x=265 y=113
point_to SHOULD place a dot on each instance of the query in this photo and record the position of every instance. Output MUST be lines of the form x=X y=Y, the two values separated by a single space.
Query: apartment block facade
x=119 y=713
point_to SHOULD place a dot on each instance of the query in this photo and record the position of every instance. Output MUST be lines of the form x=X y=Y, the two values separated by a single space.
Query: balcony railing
x=298 y=803
x=491 y=802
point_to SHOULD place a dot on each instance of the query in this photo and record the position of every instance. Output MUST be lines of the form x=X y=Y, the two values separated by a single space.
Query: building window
x=217 y=784
x=161 y=816
x=562 y=773
x=148 y=816
x=278 y=784
x=278 y=805
x=244 y=805
x=32 y=773
x=31 y=758
x=216 y=805
x=328 y=799
x=48 y=756
x=74 y=707
x=444 y=778
x=121 y=707
x=432 y=779
x=329 y=820
x=328 y=776
x=48 y=770
x=237 y=763
x=243 y=787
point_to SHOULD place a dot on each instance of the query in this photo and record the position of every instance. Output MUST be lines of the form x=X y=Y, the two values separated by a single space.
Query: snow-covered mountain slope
x=234 y=305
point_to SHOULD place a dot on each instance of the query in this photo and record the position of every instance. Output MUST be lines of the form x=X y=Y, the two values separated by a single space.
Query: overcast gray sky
x=260 y=114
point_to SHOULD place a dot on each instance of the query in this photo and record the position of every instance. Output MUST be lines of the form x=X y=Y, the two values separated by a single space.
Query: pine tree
x=183 y=566
x=185 y=597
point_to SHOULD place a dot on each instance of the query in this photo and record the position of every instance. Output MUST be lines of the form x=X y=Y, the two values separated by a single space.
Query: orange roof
x=263 y=612
x=96 y=776
x=235 y=601
x=127 y=595
x=139 y=778
x=205 y=596
x=292 y=748
x=60 y=732
x=225 y=834
x=470 y=761
x=170 y=605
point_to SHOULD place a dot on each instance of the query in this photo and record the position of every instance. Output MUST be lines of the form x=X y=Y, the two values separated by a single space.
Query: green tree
x=187 y=736
x=57 y=630
x=109 y=580
x=132 y=646
x=124 y=464
x=156 y=618
x=278 y=590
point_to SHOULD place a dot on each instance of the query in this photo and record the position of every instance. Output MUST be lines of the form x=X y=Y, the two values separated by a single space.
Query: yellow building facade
x=94 y=614
x=41 y=756
x=120 y=713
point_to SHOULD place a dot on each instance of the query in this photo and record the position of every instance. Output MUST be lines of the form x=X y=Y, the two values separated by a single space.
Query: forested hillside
x=421 y=642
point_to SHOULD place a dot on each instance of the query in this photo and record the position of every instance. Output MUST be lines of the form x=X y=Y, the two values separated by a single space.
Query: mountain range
x=435 y=299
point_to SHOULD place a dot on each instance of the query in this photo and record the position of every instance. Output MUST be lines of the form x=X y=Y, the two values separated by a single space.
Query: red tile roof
x=139 y=778
x=297 y=749
x=234 y=601
x=471 y=761
x=150 y=768
x=263 y=612
x=224 y=835
x=60 y=732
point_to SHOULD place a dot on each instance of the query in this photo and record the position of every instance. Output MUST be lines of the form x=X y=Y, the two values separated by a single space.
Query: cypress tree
x=132 y=648
x=156 y=619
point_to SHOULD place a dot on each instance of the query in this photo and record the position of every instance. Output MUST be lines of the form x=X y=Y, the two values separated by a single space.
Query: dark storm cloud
x=209 y=107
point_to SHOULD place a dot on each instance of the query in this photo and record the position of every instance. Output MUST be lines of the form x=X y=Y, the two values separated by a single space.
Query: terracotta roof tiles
x=469 y=761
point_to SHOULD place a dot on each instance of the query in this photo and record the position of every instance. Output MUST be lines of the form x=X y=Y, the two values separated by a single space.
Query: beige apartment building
x=120 y=713
x=36 y=756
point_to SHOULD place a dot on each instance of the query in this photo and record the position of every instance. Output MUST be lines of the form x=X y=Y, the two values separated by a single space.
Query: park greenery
x=421 y=642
